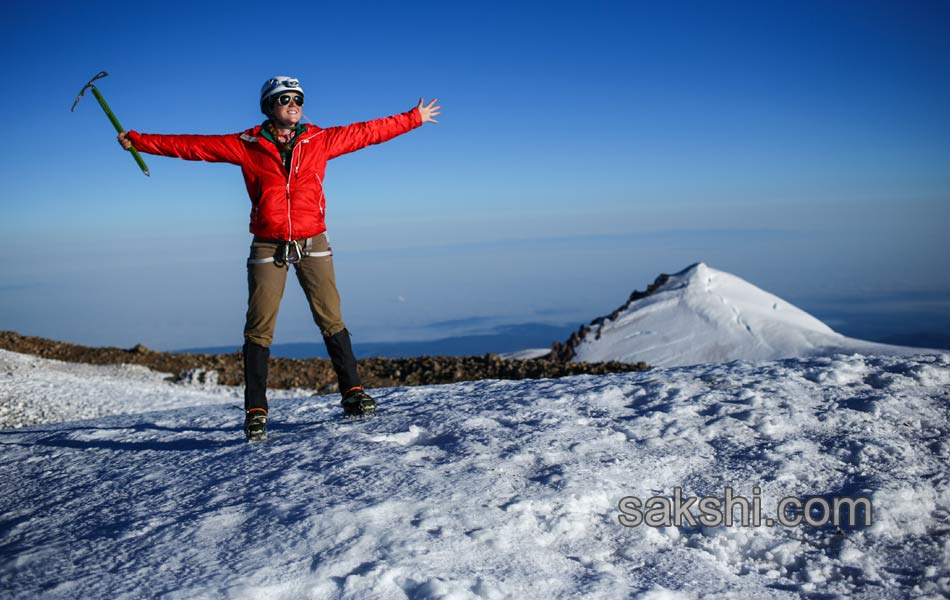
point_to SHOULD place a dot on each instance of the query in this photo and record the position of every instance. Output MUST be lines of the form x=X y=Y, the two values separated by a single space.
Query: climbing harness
x=289 y=253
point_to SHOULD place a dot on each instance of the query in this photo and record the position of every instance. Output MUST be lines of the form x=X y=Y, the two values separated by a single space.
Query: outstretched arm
x=350 y=138
x=210 y=148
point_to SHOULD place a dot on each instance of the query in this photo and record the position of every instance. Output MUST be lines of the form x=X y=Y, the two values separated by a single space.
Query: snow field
x=492 y=489
x=35 y=390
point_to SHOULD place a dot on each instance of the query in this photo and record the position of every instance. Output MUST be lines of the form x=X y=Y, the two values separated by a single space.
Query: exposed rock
x=315 y=373
x=565 y=352
x=198 y=377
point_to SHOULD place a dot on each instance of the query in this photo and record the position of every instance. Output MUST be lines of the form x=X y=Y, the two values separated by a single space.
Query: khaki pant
x=265 y=285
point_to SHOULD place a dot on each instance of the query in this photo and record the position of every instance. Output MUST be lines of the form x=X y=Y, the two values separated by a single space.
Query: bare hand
x=427 y=112
x=124 y=140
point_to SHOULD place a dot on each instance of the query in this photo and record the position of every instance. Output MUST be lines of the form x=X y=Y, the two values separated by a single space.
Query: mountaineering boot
x=357 y=403
x=255 y=389
x=255 y=424
x=255 y=376
x=344 y=362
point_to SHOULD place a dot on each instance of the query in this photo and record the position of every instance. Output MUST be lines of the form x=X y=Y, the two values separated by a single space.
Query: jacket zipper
x=323 y=199
x=290 y=172
x=290 y=224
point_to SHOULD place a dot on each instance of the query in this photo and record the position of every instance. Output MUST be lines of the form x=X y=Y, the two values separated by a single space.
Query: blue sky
x=582 y=150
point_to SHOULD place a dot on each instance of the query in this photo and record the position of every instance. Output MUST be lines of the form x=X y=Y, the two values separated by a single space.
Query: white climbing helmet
x=278 y=85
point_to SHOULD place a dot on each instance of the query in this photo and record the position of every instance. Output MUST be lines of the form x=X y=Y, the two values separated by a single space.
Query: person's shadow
x=206 y=438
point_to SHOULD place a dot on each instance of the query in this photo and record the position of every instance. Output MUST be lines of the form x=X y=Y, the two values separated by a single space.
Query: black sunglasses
x=284 y=99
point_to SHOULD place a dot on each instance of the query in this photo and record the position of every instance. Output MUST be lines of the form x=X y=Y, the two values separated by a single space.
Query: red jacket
x=285 y=206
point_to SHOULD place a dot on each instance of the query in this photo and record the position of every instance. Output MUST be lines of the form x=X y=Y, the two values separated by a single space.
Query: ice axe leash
x=108 y=111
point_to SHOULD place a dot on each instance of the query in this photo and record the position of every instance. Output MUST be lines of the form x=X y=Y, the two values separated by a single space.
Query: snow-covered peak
x=728 y=297
x=702 y=315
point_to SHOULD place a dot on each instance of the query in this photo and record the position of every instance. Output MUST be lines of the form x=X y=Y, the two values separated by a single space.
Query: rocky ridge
x=314 y=373
x=564 y=352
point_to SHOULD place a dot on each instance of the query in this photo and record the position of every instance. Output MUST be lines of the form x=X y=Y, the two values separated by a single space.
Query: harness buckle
x=288 y=253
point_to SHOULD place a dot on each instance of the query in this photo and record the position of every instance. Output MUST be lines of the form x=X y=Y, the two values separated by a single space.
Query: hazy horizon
x=918 y=319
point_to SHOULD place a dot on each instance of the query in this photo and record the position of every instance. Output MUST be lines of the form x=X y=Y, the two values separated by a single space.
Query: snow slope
x=528 y=354
x=36 y=390
x=702 y=315
x=491 y=489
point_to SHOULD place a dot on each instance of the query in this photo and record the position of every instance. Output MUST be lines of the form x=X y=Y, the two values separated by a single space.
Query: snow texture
x=35 y=390
x=703 y=315
x=489 y=489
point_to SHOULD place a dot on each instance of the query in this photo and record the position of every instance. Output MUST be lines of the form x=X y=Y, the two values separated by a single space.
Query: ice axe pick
x=108 y=111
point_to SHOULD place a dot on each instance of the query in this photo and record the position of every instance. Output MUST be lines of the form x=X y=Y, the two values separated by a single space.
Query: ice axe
x=115 y=122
